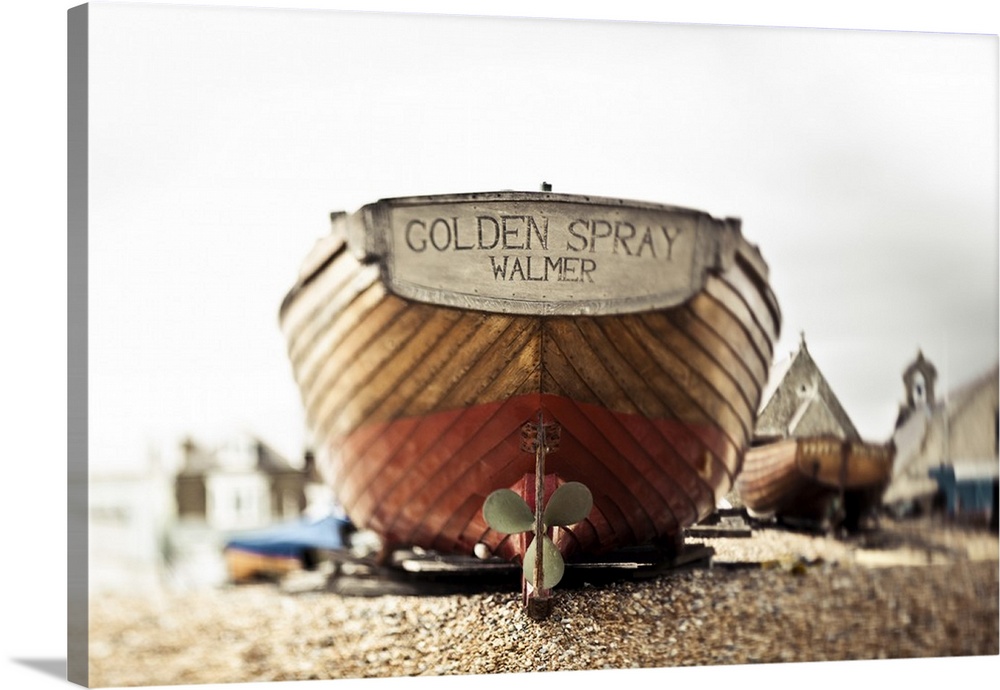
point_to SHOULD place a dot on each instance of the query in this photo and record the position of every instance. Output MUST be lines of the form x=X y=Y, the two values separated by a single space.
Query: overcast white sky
x=863 y=163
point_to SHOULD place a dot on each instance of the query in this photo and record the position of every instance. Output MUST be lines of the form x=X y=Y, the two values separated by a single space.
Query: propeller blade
x=507 y=513
x=569 y=504
x=553 y=565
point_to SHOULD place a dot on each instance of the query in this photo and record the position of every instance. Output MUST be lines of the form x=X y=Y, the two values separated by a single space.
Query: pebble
x=818 y=602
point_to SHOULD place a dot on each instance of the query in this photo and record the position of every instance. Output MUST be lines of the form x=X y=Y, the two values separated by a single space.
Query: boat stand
x=415 y=572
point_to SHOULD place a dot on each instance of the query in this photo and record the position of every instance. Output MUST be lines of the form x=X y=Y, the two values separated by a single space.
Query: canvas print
x=453 y=346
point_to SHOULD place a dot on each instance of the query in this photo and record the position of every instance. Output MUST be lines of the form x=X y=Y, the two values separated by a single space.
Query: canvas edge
x=77 y=667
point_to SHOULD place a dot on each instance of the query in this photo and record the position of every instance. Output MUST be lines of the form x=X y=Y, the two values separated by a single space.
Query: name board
x=541 y=253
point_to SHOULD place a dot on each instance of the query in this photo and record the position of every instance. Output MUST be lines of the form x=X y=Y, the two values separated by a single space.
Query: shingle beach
x=914 y=589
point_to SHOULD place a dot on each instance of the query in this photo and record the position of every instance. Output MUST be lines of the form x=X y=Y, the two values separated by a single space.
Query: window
x=919 y=389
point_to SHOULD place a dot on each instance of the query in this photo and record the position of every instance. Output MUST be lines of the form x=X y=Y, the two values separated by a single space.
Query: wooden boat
x=821 y=482
x=275 y=551
x=248 y=566
x=449 y=346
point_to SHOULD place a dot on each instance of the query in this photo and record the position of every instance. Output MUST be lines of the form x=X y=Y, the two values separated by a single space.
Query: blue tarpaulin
x=292 y=539
x=968 y=489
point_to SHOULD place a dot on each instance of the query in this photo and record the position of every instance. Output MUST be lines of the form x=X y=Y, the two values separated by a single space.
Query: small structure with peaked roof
x=948 y=447
x=808 y=465
x=919 y=379
x=799 y=402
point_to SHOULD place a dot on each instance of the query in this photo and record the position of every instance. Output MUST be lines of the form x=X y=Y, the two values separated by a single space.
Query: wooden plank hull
x=820 y=480
x=420 y=407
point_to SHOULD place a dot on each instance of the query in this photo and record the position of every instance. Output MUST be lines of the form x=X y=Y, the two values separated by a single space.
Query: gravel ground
x=910 y=590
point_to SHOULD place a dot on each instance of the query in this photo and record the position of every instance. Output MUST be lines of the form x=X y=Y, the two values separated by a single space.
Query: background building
x=946 y=447
x=167 y=526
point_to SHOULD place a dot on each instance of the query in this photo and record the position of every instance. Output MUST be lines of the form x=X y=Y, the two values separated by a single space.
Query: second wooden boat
x=820 y=482
x=450 y=346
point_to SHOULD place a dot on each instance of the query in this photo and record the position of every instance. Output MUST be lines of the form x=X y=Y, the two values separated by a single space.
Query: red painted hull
x=649 y=477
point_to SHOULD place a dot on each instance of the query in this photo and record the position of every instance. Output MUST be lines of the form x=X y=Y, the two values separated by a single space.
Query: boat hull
x=421 y=408
x=423 y=480
x=815 y=481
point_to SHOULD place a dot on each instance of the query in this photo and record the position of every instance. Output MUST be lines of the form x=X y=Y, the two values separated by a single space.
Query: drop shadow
x=50 y=667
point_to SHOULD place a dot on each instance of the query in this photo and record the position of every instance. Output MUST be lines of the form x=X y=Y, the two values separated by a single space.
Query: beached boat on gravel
x=483 y=368
x=820 y=482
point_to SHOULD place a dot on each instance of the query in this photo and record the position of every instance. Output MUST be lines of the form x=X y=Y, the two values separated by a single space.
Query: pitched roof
x=798 y=401
x=955 y=401
x=252 y=452
x=271 y=461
